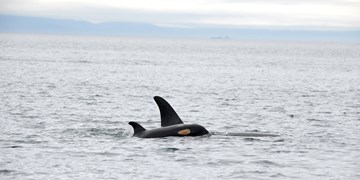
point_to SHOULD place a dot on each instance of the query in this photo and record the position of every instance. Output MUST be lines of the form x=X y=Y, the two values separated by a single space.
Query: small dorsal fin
x=167 y=113
x=137 y=127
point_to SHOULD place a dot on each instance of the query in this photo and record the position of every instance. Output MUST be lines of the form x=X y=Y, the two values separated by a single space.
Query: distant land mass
x=24 y=24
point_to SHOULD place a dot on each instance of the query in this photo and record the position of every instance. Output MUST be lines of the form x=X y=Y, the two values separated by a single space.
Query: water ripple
x=66 y=101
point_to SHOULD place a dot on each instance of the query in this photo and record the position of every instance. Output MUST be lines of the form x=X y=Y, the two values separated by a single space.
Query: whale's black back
x=168 y=115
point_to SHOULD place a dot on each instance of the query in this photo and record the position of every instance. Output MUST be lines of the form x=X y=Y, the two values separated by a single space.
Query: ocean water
x=65 y=102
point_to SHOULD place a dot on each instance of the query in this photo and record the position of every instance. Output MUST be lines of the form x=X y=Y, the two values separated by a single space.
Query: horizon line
x=200 y=26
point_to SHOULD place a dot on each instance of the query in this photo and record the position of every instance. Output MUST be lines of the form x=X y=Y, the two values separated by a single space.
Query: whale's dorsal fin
x=167 y=113
x=137 y=127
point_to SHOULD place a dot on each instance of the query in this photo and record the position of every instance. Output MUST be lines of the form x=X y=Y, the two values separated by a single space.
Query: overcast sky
x=293 y=14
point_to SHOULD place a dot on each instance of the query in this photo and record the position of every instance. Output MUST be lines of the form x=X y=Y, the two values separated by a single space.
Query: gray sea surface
x=65 y=102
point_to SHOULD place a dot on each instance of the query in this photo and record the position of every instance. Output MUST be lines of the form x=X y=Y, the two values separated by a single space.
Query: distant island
x=24 y=24
x=220 y=37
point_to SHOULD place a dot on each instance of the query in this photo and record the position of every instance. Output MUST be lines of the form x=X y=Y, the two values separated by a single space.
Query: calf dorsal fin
x=137 y=127
x=168 y=115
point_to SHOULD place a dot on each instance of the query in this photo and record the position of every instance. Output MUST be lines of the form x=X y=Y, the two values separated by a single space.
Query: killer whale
x=172 y=125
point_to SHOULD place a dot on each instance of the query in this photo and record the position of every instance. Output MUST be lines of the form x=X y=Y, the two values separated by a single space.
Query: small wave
x=29 y=116
x=31 y=141
x=277 y=175
x=267 y=163
x=225 y=162
x=280 y=140
x=281 y=151
x=312 y=119
x=252 y=139
x=170 y=149
x=257 y=172
x=6 y=171
x=108 y=154
x=92 y=132
x=15 y=146
x=80 y=61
